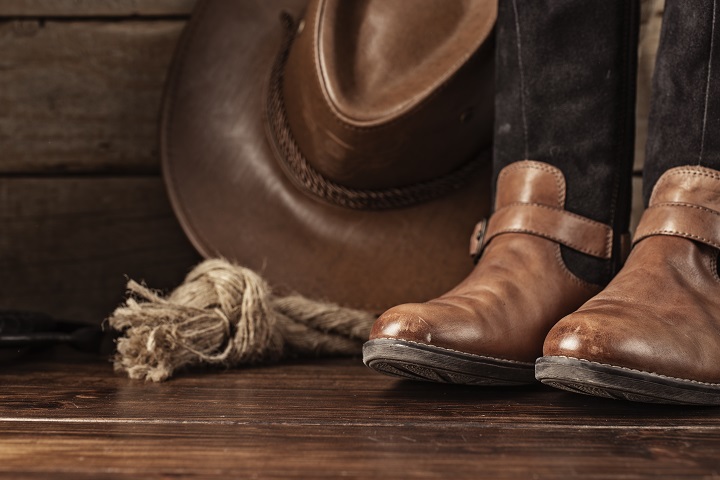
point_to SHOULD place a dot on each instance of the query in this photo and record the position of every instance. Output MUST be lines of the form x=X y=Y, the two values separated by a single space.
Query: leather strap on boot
x=499 y=315
x=532 y=202
x=683 y=204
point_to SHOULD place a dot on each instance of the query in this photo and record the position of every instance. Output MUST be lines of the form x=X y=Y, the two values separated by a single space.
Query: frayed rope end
x=226 y=315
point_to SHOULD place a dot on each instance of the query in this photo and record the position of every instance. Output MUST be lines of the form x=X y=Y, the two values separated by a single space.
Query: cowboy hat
x=339 y=147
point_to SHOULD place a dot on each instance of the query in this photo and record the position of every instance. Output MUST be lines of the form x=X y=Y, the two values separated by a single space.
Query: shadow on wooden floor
x=69 y=416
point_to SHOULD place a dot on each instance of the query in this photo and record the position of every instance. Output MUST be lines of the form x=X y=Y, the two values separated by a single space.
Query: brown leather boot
x=653 y=334
x=490 y=328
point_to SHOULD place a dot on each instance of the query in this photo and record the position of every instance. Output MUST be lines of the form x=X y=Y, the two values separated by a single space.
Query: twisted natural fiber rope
x=226 y=315
x=306 y=177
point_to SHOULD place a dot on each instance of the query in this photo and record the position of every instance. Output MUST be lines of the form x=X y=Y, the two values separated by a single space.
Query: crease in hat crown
x=417 y=145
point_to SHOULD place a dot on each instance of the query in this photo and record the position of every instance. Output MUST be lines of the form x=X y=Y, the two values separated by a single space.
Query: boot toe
x=437 y=341
x=598 y=338
x=613 y=339
x=613 y=357
x=407 y=322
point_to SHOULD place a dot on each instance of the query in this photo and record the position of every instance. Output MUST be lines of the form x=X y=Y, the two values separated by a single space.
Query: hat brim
x=235 y=201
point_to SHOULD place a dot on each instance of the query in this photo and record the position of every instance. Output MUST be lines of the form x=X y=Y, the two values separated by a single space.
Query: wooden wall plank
x=652 y=12
x=76 y=8
x=82 y=96
x=66 y=244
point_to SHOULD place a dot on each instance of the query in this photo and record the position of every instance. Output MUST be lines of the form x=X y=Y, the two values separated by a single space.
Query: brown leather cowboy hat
x=338 y=147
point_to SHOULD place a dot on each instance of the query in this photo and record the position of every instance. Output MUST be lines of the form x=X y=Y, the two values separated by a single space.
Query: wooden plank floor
x=69 y=416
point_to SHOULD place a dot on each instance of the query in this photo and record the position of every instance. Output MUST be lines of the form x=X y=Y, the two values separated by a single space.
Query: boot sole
x=417 y=361
x=601 y=380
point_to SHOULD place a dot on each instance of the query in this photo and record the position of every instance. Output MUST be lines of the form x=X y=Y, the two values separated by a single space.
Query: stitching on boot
x=682 y=234
x=554 y=239
x=518 y=43
x=692 y=171
x=686 y=205
x=565 y=212
x=518 y=362
x=544 y=167
x=707 y=83
x=635 y=370
x=609 y=242
x=608 y=237
x=714 y=266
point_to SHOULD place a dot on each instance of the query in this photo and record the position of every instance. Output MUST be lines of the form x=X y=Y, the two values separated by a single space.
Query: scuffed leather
x=684 y=204
x=516 y=293
x=661 y=313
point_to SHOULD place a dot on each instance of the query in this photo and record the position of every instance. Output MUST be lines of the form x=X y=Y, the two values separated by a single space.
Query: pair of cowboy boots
x=554 y=295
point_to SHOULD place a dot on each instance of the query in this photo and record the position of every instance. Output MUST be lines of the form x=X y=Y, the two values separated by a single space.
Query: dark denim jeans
x=684 y=123
x=566 y=96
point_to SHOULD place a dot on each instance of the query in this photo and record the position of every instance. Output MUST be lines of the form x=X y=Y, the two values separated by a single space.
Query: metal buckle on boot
x=477 y=240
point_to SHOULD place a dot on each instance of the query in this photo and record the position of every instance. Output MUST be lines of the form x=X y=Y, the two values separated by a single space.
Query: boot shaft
x=684 y=123
x=565 y=95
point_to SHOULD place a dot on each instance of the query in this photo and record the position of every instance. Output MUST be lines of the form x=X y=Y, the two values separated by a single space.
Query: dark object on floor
x=21 y=331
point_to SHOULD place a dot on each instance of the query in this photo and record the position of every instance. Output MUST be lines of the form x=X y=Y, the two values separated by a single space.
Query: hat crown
x=377 y=58
x=383 y=94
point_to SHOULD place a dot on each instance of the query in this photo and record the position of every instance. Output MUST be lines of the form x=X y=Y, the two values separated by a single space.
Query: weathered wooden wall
x=82 y=203
x=95 y=8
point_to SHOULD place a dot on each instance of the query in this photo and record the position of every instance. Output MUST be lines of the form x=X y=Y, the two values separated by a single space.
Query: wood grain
x=321 y=392
x=77 y=8
x=68 y=243
x=649 y=38
x=333 y=451
x=331 y=418
x=83 y=96
x=79 y=97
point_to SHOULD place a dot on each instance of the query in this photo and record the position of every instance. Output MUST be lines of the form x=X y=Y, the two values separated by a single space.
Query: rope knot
x=226 y=315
